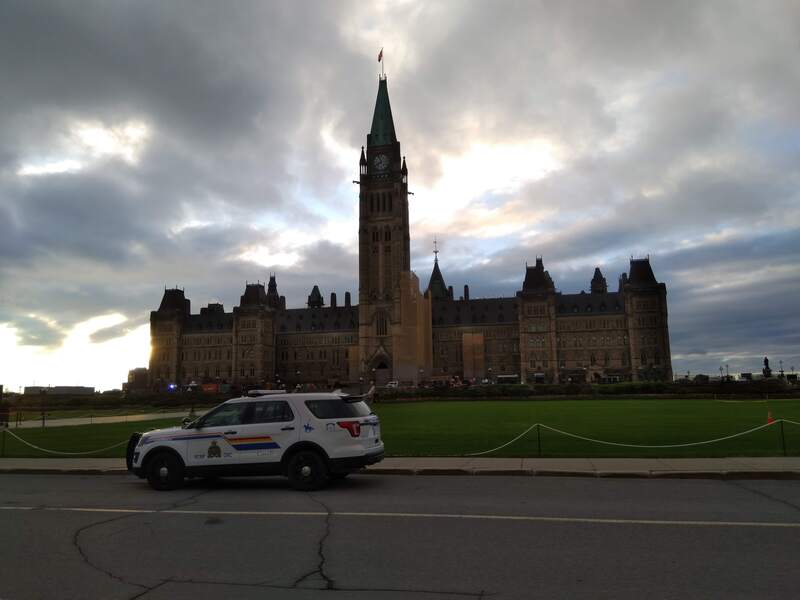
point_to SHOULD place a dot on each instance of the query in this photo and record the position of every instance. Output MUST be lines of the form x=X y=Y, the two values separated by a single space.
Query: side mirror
x=186 y=421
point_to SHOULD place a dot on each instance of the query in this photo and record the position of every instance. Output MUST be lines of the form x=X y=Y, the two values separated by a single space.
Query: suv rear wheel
x=307 y=471
x=165 y=471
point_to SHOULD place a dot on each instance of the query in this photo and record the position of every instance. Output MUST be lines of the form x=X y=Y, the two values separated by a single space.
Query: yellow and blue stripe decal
x=241 y=444
x=252 y=443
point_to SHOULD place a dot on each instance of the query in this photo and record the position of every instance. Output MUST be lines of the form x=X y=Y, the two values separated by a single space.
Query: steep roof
x=597 y=302
x=338 y=318
x=436 y=286
x=174 y=300
x=641 y=273
x=598 y=284
x=382 y=132
x=254 y=295
x=315 y=298
x=480 y=311
x=537 y=279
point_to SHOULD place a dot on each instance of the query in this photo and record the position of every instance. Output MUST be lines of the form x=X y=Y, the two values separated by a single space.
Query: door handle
x=290 y=428
x=231 y=432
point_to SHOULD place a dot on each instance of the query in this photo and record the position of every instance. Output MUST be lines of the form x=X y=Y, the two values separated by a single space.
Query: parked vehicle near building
x=309 y=438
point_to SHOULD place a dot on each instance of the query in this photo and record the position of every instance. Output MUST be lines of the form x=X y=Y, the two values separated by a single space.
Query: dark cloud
x=675 y=123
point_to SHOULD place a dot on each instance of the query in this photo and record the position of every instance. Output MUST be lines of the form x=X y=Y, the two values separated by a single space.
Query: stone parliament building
x=396 y=332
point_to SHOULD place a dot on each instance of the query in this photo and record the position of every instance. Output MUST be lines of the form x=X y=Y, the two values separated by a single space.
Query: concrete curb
x=51 y=471
x=486 y=470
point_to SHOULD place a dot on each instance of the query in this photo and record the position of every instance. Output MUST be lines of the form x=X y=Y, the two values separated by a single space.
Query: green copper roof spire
x=382 y=132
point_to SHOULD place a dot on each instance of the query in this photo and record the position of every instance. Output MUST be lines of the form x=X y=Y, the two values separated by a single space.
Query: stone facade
x=397 y=332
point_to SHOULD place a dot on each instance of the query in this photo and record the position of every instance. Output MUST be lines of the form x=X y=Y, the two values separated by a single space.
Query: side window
x=273 y=411
x=228 y=414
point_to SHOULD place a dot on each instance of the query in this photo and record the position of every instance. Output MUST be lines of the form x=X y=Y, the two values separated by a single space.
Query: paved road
x=390 y=537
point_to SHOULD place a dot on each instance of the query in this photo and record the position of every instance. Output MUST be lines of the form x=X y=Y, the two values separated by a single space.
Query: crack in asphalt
x=85 y=557
x=76 y=542
x=479 y=595
x=329 y=583
x=763 y=494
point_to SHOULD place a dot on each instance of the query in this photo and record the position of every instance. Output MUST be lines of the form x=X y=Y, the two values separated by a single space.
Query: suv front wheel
x=307 y=471
x=165 y=471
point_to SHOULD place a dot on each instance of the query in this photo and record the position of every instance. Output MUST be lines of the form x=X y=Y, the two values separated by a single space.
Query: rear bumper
x=353 y=463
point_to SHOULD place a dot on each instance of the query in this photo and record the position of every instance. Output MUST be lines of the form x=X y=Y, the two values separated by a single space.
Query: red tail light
x=354 y=427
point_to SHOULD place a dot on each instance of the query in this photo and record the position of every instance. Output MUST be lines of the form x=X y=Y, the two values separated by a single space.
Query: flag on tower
x=380 y=55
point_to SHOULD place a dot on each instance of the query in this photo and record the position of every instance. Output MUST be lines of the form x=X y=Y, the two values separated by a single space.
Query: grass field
x=457 y=428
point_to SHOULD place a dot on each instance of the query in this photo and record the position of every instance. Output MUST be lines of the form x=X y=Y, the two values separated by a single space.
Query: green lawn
x=456 y=428
x=79 y=438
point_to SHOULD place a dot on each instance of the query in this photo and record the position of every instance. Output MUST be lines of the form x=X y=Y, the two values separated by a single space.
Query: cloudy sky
x=205 y=144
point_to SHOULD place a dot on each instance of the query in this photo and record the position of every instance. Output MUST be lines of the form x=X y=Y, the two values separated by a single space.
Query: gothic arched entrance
x=380 y=372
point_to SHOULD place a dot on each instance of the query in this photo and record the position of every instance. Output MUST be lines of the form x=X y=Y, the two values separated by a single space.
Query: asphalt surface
x=388 y=537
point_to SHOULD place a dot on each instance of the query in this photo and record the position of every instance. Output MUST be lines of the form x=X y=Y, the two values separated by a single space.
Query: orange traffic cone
x=769 y=417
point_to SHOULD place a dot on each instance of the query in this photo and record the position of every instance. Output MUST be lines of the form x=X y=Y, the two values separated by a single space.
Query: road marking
x=395 y=515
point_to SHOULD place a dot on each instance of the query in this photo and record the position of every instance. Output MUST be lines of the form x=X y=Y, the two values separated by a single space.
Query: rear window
x=337 y=409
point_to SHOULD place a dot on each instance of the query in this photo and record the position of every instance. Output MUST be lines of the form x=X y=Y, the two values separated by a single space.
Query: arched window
x=381 y=325
x=387 y=234
x=372 y=203
x=390 y=202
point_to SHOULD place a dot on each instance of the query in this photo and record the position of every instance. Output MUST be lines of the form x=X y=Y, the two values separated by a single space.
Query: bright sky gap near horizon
x=203 y=144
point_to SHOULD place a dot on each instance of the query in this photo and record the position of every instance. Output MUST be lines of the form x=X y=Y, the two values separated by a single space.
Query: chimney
x=466 y=292
x=347 y=299
x=450 y=292
x=333 y=300
x=283 y=303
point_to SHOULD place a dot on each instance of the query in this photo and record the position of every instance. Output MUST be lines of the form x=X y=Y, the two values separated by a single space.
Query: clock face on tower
x=380 y=162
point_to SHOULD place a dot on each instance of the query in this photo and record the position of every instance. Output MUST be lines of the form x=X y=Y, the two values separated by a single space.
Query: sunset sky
x=206 y=144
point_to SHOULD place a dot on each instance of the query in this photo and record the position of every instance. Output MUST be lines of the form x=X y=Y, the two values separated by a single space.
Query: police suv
x=309 y=438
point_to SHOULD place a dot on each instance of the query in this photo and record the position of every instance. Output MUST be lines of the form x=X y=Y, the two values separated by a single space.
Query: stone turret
x=315 y=298
x=598 y=285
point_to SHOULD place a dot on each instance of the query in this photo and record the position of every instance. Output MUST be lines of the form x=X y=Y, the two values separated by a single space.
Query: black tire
x=307 y=471
x=165 y=471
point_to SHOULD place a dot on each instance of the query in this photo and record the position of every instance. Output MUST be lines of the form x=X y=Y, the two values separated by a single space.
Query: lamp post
x=361 y=385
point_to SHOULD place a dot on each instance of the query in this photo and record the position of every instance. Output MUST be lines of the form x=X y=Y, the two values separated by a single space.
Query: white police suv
x=310 y=438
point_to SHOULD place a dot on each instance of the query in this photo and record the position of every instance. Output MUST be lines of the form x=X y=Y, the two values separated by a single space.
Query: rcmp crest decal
x=214 y=450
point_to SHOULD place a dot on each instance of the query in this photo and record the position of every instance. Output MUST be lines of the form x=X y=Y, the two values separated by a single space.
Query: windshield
x=337 y=408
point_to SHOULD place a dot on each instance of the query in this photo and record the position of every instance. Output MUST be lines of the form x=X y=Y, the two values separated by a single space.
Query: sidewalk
x=777 y=467
x=37 y=423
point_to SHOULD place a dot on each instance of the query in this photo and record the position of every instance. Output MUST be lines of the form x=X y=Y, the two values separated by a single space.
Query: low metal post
x=3 y=449
x=783 y=439
x=539 y=439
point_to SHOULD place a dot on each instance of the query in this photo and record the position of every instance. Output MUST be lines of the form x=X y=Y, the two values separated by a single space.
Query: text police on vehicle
x=309 y=438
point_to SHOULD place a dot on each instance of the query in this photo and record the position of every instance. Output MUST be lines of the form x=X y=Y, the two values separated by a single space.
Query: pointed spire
x=363 y=160
x=404 y=169
x=598 y=285
x=382 y=132
x=315 y=298
x=437 y=289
